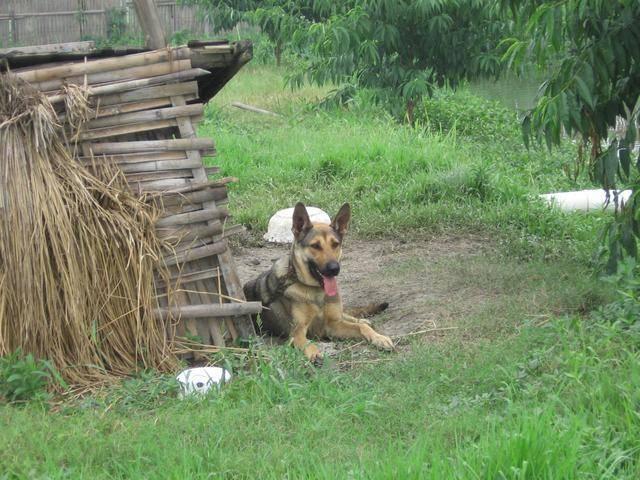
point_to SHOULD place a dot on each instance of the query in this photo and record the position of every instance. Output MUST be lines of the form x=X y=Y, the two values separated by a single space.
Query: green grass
x=531 y=386
x=558 y=402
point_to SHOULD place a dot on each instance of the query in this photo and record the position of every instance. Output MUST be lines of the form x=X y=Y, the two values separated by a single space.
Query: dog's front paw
x=383 y=342
x=313 y=353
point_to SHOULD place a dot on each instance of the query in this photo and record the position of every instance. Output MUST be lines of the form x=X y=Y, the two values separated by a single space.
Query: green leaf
x=584 y=91
x=625 y=159
x=610 y=166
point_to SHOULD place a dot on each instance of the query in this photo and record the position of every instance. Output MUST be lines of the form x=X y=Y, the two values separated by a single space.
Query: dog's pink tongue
x=330 y=285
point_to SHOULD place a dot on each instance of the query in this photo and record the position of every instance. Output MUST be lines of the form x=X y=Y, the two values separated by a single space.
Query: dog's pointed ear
x=341 y=221
x=301 y=221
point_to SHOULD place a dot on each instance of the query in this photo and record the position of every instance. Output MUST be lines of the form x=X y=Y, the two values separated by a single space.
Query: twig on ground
x=253 y=109
x=420 y=332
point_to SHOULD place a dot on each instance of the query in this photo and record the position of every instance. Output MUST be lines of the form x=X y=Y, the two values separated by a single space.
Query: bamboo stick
x=134 y=157
x=210 y=310
x=183 y=278
x=106 y=65
x=161 y=175
x=106 y=111
x=153 y=145
x=189 y=233
x=158 y=166
x=146 y=115
x=108 y=132
x=195 y=186
x=132 y=73
x=196 y=253
x=134 y=84
x=253 y=109
x=218 y=48
x=125 y=108
x=158 y=186
x=197 y=197
x=70 y=47
x=187 y=218
x=162 y=91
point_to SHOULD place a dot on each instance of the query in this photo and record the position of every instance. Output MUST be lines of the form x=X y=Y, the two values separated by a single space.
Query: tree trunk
x=410 y=107
x=278 y=53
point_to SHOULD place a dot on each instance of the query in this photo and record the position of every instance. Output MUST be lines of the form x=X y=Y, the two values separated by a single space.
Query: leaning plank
x=134 y=84
x=153 y=145
x=146 y=115
x=155 y=70
x=106 y=65
x=210 y=310
x=196 y=253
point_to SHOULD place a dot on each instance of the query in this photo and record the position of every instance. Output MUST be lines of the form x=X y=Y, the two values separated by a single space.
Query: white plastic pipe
x=586 y=200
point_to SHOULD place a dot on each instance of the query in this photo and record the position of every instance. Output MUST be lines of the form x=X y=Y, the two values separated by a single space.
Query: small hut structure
x=147 y=103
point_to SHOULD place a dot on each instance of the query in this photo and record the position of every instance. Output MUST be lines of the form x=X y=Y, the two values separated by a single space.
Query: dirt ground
x=406 y=274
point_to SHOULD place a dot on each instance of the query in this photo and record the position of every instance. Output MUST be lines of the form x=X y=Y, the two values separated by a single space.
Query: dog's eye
x=316 y=246
x=334 y=245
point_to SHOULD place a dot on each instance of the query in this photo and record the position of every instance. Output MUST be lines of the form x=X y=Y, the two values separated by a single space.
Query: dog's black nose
x=332 y=269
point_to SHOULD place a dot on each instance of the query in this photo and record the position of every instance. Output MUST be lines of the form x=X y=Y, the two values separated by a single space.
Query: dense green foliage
x=588 y=50
x=397 y=49
x=23 y=378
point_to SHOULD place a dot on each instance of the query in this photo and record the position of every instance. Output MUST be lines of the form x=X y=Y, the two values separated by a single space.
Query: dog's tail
x=366 y=310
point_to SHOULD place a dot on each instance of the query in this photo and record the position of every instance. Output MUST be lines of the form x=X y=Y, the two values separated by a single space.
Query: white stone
x=279 y=230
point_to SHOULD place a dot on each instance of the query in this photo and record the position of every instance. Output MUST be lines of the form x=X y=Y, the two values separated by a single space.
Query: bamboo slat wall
x=147 y=106
x=37 y=22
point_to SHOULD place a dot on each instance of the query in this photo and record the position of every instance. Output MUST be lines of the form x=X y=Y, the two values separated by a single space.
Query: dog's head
x=317 y=247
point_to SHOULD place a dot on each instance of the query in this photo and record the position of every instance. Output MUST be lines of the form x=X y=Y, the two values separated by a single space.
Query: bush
x=625 y=311
x=470 y=116
x=24 y=378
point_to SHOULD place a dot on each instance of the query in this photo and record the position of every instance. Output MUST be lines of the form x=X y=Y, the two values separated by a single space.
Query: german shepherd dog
x=300 y=291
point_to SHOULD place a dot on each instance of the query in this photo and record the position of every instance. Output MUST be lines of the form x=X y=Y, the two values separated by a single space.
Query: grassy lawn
x=510 y=395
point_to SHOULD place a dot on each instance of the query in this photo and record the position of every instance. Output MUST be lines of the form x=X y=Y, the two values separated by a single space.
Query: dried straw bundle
x=77 y=252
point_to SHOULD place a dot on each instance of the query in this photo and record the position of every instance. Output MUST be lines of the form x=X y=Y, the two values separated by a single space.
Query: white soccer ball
x=280 y=224
x=201 y=380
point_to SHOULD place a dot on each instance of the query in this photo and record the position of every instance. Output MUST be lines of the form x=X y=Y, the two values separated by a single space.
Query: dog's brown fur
x=292 y=290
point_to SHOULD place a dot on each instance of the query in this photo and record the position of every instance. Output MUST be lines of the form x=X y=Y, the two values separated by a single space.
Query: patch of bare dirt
x=407 y=274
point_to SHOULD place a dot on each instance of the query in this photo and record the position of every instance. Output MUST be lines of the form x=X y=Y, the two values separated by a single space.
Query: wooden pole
x=211 y=310
x=253 y=109
x=149 y=19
